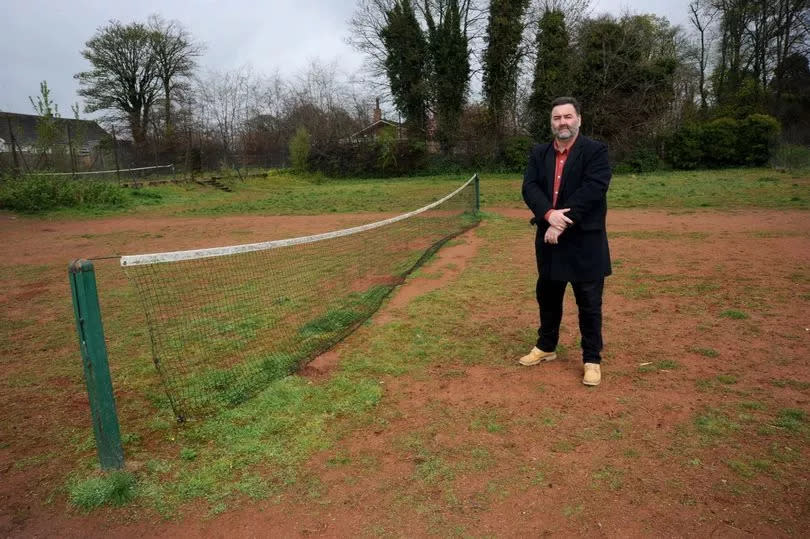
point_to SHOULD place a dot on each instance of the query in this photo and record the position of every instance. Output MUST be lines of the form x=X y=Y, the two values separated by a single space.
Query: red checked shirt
x=560 y=157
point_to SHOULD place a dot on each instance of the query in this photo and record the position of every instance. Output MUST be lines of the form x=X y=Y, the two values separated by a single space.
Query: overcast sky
x=42 y=40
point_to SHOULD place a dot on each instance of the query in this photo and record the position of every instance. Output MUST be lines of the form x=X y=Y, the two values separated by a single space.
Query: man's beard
x=566 y=133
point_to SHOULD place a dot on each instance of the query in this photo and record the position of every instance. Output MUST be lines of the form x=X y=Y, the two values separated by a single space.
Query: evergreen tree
x=406 y=64
x=501 y=58
x=552 y=72
x=450 y=69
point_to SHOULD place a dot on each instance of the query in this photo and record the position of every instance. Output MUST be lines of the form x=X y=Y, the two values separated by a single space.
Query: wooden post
x=70 y=152
x=477 y=193
x=115 y=153
x=16 y=170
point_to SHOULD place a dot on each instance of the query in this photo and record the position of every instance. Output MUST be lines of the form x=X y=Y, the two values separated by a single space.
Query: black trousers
x=589 y=303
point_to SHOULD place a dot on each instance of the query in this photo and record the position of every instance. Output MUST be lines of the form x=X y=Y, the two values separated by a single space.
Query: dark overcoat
x=582 y=253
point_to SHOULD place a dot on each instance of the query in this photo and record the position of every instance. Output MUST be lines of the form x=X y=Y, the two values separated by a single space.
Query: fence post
x=477 y=193
x=115 y=153
x=70 y=152
x=16 y=170
x=94 y=361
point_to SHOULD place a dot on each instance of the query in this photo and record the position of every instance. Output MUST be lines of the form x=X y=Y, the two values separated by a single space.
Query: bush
x=684 y=149
x=369 y=158
x=758 y=134
x=723 y=142
x=36 y=194
x=639 y=161
x=300 y=149
x=720 y=140
x=516 y=153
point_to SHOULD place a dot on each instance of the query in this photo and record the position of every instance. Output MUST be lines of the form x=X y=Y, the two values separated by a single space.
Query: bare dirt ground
x=686 y=436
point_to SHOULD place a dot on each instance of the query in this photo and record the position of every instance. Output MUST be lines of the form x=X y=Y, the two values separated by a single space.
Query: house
x=22 y=129
x=374 y=130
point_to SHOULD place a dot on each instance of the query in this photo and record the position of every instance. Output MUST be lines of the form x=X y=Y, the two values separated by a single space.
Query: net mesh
x=129 y=175
x=225 y=322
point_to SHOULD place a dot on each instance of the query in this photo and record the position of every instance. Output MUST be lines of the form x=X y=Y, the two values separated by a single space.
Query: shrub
x=720 y=140
x=684 y=149
x=35 y=194
x=516 y=152
x=758 y=134
x=723 y=142
x=300 y=149
x=640 y=160
x=369 y=158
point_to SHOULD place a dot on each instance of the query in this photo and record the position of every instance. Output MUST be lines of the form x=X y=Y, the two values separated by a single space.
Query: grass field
x=425 y=425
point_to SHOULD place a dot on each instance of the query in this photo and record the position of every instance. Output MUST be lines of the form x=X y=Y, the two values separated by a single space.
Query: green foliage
x=551 y=77
x=114 y=488
x=500 y=62
x=384 y=157
x=48 y=133
x=36 y=194
x=758 y=133
x=405 y=63
x=640 y=160
x=615 y=59
x=300 y=149
x=516 y=153
x=684 y=148
x=723 y=142
x=720 y=142
x=449 y=69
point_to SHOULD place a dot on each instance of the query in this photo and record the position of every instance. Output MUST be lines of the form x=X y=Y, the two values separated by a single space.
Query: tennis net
x=224 y=322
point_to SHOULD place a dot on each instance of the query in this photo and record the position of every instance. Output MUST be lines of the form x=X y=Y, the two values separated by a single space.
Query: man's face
x=564 y=122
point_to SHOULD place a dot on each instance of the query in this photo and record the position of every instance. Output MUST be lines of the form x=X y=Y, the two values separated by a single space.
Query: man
x=565 y=186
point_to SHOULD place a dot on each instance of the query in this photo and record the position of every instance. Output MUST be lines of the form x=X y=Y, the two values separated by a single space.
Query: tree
x=124 y=77
x=366 y=34
x=405 y=64
x=226 y=101
x=701 y=16
x=551 y=72
x=625 y=77
x=450 y=67
x=47 y=122
x=791 y=97
x=501 y=58
x=174 y=54
x=299 y=149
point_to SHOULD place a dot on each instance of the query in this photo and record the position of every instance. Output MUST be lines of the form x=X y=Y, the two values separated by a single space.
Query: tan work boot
x=593 y=374
x=536 y=356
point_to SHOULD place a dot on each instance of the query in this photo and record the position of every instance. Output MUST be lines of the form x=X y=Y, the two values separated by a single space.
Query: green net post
x=477 y=194
x=94 y=360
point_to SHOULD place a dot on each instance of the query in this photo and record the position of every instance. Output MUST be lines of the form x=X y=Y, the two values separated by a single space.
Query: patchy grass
x=734 y=314
x=113 y=488
x=704 y=351
x=660 y=365
x=714 y=425
x=455 y=460
x=791 y=419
